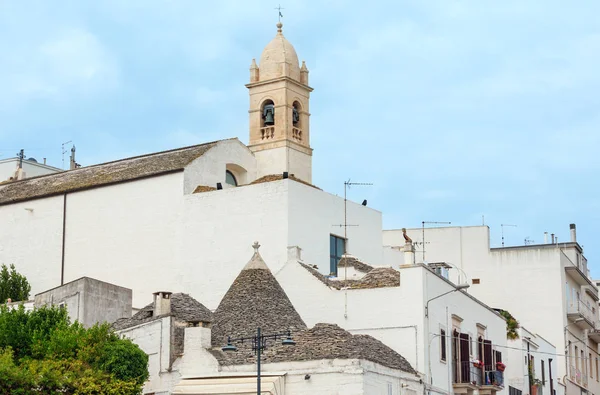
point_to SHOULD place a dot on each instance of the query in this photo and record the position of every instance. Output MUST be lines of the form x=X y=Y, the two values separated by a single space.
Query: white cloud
x=71 y=63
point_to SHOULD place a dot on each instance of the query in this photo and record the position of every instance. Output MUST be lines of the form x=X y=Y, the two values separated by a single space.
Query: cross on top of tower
x=279 y=8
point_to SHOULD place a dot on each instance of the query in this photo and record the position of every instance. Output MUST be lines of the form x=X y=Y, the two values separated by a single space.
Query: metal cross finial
x=279 y=8
x=256 y=246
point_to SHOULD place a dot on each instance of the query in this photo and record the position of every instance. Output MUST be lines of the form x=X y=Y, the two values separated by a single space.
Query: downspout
x=64 y=231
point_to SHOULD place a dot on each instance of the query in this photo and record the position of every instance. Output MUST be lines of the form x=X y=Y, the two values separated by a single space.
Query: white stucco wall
x=31 y=169
x=539 y=289
x=128 y=234
x=210 y=168
x=315 y=214
x=31 y=239
x=517 y=375
x=218 y=230
x=154 y=338
x=396 y=315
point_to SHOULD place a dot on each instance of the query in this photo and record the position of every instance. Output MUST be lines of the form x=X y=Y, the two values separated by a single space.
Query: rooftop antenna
x=423 y=231
x=64 y=152
x=502 y=226
x=527 y=241
x=348 y=184
x=21 y=156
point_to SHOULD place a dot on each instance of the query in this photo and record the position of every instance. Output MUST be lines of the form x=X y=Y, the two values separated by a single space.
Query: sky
x=457 y=111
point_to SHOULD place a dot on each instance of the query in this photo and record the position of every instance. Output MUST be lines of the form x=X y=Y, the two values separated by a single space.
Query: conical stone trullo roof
x=255 y=299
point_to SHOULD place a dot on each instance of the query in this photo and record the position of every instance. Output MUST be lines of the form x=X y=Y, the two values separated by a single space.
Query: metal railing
x=584 y=380
x=578 y=307
x=578 y=376
x=493 y=376
x=465 y=373
x=572 y=372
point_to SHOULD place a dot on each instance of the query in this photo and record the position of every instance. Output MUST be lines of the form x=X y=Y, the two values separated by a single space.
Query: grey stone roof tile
x=101 y=174
x=323 y=341
x=183 y=308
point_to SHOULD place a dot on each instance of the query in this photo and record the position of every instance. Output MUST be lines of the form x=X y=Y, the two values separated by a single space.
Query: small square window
x=475 y=281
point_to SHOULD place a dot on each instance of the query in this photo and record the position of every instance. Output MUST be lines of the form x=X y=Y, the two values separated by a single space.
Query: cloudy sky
x=453 y=109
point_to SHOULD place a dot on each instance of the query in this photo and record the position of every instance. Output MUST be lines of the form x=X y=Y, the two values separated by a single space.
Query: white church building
x=183 y=221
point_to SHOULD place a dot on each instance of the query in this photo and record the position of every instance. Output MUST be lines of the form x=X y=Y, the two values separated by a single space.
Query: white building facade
x=549 y=285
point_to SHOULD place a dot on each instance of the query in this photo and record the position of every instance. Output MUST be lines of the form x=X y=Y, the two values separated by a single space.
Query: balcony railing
x=267 y=133
x=581 y=309
x=584 y=380
x=493 y=377
x=572 y=371
x=465 y=373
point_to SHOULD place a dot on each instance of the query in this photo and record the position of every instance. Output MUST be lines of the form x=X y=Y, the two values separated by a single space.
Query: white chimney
x=545 y=237
x=409 y=249
x=294 y=253
x=552 y=235
x=573 y=233
x=162 y=303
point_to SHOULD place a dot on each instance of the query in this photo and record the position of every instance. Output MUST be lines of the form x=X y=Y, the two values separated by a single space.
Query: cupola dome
x=279 y=59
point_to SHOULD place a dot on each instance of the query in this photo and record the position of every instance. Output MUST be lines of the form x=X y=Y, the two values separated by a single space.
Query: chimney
x=44 y=160
x=162 y=303
x=73 y=163
x=545 y=237
x=573 y=233
x=552 y=237
x=294 y=253
x=409 y=249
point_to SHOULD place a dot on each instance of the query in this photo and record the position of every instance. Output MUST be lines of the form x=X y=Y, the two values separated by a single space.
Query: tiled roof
x=255 y=299
x=183 y=308
x=204 y=188
x=276 y=177
x=323 y=341
x=350 y=261
x=102 y=174
x=377 y=277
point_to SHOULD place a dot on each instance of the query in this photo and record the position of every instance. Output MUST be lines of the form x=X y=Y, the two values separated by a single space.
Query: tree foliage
x=13 y=285
x=41 y=352
x=511 y=325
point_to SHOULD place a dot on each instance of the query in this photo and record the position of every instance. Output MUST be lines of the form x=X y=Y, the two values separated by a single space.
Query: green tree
x=13 y=285
x=511 y=325
x=42 y=352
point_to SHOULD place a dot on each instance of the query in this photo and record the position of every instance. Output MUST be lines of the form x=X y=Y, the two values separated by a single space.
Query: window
x=591 y=368
x=337 y=247
x=230 y=178
x=543 y=371
x=576 y=355
x=476 y=281
x=443 y=345
x=514 y=391
x=597 y=370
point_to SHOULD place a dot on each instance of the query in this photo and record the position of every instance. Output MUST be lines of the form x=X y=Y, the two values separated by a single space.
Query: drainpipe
x=64 y=231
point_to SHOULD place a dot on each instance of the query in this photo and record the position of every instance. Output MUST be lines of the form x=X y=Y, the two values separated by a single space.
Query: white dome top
x=279 y=59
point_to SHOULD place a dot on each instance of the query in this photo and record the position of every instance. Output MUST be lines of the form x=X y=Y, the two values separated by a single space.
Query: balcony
x=465 y=378
x=594 y=335
x=579 y=275
x=493 y=381
x=592 y=291
x=581 y=315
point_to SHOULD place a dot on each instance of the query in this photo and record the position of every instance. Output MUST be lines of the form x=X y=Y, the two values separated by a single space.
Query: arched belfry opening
x=279 y=113
x=296 y=121
x=268 y=113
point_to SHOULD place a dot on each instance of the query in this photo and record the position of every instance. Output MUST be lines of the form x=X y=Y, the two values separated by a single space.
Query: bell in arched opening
x=269 y=114
x=295 y=115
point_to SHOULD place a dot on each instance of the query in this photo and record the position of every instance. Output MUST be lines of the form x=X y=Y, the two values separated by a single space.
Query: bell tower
x=279 y=111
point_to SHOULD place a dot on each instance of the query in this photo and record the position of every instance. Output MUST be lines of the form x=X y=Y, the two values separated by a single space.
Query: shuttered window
x=442 y=345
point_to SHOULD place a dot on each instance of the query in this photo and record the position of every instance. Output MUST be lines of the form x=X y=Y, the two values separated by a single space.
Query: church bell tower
x=279 y=111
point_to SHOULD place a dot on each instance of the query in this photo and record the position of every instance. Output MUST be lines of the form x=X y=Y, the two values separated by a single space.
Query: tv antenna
x=64 y=152
x=528 y=241
x=423 y=232
x=502 y=227
x=347 y=185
